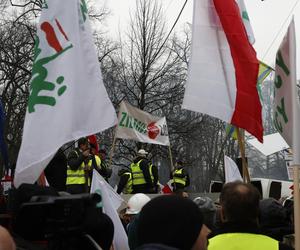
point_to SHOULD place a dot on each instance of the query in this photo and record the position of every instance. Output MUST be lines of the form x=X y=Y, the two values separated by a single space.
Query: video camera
x=49 y=217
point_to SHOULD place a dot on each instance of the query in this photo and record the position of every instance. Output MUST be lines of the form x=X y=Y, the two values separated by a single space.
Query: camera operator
x=80 y=166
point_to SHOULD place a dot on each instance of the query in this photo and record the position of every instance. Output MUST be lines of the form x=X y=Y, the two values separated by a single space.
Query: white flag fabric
x=286 y=95
x=272 y=143
x=223 y=68
x=232 y=172
x=111 y=201
x=246 y=21
x=67 y=97
x=139 y=125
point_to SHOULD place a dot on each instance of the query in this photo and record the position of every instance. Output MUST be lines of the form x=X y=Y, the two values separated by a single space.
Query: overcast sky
x=266 y=17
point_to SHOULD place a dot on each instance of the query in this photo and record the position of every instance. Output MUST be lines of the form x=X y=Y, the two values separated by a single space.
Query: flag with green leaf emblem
x=67 y=97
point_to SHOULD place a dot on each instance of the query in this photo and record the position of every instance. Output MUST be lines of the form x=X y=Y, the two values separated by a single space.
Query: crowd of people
x=238 y=220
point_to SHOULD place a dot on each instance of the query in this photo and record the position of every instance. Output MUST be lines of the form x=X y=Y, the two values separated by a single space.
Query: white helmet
x=142 y=152
x=136 y=203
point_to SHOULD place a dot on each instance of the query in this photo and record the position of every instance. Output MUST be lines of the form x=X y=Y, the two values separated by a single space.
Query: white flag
x=286 y=100
x=232 y=172
x=111 y=201
x=223 y=68
x=67 y=97
x=138 y=125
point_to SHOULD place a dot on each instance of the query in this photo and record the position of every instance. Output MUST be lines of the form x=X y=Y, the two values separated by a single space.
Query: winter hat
x=205 y=204
x=170 y=220
x=208 y=209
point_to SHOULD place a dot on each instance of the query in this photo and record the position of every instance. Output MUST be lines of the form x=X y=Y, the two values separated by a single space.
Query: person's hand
x=86 y=153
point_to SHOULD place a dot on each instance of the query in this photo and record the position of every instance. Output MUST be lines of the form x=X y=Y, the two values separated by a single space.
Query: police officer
x=181 y=178
x=143 y=179
x=125 y=183
x=80 y=166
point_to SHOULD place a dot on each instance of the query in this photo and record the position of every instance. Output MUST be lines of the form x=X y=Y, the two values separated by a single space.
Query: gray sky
x=266 y=18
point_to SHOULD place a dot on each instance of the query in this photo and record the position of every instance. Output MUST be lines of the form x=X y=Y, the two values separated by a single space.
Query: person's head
x=179 y=163
x=172 y=221
x=272 y=214
x=142 y=153
x=83 y=143
x=208 y=210
x=239 y=202
x=7 y=242
x=136 y=203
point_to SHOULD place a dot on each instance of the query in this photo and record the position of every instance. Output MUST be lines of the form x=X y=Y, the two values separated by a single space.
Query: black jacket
x=75 y=159
x=247 y=227
x=122 y=182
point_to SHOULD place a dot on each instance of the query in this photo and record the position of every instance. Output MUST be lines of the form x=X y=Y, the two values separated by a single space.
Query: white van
x=267 y=187
x=272 y=188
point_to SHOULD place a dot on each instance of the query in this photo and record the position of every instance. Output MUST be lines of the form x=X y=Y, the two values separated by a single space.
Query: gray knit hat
x=205 y=204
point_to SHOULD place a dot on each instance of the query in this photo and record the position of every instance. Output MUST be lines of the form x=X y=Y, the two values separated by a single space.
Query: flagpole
x=241 y=141
x=296 y=207
x=172 y=167
x=112 y=148
x=171 y=158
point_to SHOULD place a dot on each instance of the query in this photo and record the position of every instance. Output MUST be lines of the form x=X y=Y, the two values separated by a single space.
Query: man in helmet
x=180 y=177
x=134 y=207
x=125 y=183
x=143 y=179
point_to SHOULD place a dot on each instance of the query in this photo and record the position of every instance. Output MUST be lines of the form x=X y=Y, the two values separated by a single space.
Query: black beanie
x=170 y=220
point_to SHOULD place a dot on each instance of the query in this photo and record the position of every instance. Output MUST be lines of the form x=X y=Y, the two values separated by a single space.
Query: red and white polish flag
x=223 y=67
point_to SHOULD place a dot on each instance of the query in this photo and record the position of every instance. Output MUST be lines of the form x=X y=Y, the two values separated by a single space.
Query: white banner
x=286 y=99
x=67 y=97
x=138 y=125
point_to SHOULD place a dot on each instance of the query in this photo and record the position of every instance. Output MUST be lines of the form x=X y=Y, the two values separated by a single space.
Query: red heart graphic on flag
x=153 y=130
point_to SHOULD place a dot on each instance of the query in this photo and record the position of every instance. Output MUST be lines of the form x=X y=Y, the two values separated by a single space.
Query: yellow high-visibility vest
x=242 y=241
x=78 y=176
x=178 y=179
x=128 y=187
x=137 y=174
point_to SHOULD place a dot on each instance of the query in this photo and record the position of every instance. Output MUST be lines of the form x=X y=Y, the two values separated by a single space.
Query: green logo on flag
x=280 y=115
x=44 y=4
x=40 y=72
x=245 y=15
x=83 y=9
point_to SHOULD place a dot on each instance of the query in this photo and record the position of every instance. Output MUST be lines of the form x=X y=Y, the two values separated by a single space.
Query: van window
x=275 y=190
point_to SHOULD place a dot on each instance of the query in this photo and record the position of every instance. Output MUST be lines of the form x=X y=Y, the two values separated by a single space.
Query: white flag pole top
x=286 y=98
x=67 y=97
x=139 y=125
